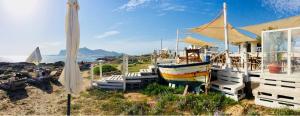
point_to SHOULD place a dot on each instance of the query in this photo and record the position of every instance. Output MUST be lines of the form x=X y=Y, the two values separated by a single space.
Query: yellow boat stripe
x=186 y=76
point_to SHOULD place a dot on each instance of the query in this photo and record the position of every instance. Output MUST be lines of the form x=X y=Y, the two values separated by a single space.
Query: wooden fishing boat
x=185 y=73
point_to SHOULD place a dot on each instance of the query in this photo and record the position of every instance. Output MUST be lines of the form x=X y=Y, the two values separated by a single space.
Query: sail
x=35 y=57
x=277 y=24
x=194 y=41
x=215 y=29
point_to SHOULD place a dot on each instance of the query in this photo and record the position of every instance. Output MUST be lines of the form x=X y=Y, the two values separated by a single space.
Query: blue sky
x=129 y=26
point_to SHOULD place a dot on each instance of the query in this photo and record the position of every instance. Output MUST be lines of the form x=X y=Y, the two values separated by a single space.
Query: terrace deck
x=132 y=80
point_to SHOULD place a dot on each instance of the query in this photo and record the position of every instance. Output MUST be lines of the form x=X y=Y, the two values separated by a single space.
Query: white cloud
x=283 y=6
x=132 y=4
x=167 y=7
x=108 y=34
x=172 y=7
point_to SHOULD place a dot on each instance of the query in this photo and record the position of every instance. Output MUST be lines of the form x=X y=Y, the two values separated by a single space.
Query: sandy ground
x=34 y=100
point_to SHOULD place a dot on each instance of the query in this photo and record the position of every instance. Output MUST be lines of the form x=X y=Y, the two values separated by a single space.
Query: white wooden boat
x=178 y=73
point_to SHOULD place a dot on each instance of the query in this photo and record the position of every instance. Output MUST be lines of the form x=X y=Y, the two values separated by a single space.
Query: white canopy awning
x=194 y=41
x=278 y=24
x=215 y=29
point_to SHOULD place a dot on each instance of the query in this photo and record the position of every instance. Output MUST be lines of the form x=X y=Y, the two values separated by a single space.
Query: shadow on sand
x=16 y=95
x=45 y=85
x=56 y=82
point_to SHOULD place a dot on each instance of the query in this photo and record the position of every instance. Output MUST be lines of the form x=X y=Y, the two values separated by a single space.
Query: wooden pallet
x=279 y=93
x=230 y=83
x=235 y=96
x=290 y=83
x=273 y=103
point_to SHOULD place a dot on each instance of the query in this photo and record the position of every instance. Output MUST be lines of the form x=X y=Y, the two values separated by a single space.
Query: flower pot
x=274 y=68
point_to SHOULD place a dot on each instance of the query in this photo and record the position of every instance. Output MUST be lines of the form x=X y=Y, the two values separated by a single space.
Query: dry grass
x=99 y=102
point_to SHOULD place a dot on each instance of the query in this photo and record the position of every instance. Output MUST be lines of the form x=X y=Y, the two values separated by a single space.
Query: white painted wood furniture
x=230 y=83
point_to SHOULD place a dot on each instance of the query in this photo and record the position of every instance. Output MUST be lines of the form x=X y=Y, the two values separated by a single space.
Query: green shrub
x=199 y=104
x=138 y=108
x=157 y=89
x=167 y=104
x=179 y=90
x=116 y=106
x=105 y=68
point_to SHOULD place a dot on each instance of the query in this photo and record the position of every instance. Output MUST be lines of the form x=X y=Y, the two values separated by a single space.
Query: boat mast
x=177 y=41
x=227 y=64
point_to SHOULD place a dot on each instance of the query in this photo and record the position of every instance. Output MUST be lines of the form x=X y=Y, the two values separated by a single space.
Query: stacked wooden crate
x=230 y=83
x=278 y=92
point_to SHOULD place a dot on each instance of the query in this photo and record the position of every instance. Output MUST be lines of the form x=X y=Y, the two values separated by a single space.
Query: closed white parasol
x=72 y=79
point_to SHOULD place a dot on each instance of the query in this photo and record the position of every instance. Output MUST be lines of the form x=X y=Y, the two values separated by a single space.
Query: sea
x=48 y=58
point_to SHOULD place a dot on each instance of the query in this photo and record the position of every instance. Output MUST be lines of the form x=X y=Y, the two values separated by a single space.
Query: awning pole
x=227 y=64
x=177 y=41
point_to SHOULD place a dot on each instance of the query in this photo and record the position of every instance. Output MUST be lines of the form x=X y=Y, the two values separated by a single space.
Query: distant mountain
x=88 y=52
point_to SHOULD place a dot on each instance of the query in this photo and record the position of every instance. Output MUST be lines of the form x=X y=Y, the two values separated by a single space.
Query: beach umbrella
x=35 y=57
x=72 y=79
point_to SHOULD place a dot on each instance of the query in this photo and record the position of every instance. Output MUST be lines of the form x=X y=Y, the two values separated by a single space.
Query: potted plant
x=278 y=40
x=275 y=66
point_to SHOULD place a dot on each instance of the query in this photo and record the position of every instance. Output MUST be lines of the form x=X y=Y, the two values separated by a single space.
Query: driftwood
x=185 y=90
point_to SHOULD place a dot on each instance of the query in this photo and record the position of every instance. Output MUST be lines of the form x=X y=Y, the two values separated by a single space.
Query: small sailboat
x=185 y=73
x=35 y=57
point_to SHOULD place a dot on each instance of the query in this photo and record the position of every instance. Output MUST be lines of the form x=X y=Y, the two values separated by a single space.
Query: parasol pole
x=69 y=105
x=227 y=64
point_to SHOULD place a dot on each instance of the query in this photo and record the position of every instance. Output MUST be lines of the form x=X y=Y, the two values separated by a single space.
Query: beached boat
x=185 y=73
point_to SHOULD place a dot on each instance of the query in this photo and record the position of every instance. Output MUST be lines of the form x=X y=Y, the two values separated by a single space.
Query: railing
x=217 y=56
x=254 y=62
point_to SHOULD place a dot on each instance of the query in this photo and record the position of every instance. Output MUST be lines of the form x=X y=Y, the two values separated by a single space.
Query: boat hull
x=185 y=73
